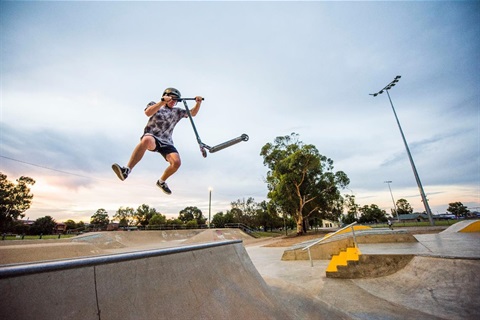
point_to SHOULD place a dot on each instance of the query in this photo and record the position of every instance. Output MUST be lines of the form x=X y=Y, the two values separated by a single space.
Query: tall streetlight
x=209 y=206
x=393 y=200
x=417 y=178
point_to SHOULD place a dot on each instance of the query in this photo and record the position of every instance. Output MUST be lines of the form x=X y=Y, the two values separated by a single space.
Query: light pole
x=209 y=206
x=415 y=173
x=393 y=200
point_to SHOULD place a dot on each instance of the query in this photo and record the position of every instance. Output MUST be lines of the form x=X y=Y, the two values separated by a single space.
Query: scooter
x=204 y=147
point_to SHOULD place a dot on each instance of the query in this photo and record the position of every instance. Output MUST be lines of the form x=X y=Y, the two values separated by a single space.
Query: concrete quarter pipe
x=208 y=281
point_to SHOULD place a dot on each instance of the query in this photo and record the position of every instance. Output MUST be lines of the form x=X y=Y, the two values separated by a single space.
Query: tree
x=300 y=180
x=267 y=216
x=192 y=213
x=15 y=199
x=44 y=225
x=403 y=207
x=143 y=214
x=100 y=219
x=458 y=209
x=352 y=209
x=244 y=211
x=70 y=224
x=124 y=216
x=174 y=221
x=349 y=218
x=372 y=213
x=192 y=224
x=81 y=225
x=351 y=206
x=219 y=219
x=157 y=219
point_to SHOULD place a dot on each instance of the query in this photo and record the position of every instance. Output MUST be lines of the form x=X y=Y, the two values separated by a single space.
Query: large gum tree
x=300 y=180
x=15 y=199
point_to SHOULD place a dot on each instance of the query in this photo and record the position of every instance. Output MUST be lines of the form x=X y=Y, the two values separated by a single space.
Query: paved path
x=249 y=280
x=441 y=282
x=446 y=245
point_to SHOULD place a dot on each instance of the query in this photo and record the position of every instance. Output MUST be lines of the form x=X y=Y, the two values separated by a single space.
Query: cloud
x=77 y=77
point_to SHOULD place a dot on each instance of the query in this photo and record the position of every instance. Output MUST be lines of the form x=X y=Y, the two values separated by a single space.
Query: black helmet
x=172 y=91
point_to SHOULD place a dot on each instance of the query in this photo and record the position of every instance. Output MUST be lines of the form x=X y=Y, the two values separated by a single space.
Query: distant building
x=413 y=217
x=28 y=222
x=330 y=224
x=113 y=226
x=60 y=228
x=444 y=216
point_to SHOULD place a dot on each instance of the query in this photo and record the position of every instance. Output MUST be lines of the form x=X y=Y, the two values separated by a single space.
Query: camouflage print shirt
x=162 y=123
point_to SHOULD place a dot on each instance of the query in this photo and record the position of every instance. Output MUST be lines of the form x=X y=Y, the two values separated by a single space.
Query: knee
x=148 y=142
x=176 y=163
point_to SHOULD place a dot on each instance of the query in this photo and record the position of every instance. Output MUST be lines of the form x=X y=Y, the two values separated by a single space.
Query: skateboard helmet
x=172 y=91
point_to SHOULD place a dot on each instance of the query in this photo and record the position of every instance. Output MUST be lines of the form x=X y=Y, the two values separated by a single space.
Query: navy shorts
x=164 y=150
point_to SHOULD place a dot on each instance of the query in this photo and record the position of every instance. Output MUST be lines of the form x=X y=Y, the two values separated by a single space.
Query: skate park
x=227 y=274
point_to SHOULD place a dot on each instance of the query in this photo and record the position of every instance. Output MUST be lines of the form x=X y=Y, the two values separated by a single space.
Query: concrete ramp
x=445 y=288
x=210 y=235
x=464 y=226
x=203 y=281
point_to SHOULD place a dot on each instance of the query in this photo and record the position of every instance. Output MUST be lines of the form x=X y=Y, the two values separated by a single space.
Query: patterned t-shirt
x=162 y=123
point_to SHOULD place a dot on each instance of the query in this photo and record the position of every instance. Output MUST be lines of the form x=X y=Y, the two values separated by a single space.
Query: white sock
x=161 y=181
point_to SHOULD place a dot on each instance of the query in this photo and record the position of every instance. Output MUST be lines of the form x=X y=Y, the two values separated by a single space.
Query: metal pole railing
x=329 y=236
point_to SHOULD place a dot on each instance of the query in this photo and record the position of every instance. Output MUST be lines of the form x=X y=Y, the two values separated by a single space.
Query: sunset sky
x=76 y=77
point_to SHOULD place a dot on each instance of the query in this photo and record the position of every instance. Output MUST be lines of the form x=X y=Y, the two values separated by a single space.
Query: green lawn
x=416 y=224
x=45 y=237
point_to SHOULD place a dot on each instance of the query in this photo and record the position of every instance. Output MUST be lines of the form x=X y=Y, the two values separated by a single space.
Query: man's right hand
x=166 y=98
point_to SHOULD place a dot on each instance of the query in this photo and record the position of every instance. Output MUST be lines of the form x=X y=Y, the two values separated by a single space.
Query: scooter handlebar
x=179 y=100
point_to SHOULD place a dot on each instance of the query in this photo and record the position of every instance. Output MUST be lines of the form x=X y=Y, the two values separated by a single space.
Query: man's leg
x=146 y=143
x=174 y=163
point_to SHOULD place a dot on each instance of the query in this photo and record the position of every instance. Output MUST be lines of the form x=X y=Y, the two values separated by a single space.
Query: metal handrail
x=329 y=236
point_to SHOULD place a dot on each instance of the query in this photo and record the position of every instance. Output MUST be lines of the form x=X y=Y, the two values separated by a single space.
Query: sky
x=76 y=77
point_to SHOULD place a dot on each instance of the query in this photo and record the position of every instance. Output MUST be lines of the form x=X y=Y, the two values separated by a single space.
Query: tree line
x=248 y=212
x=303 y=189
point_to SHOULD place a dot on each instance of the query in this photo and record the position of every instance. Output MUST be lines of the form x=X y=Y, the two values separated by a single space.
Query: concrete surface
x=247 y=280
x=428 y=287
x=446 y=245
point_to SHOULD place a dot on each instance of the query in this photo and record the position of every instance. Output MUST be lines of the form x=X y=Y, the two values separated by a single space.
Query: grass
x=37 y=237
x=415 y=224
x=269 y=234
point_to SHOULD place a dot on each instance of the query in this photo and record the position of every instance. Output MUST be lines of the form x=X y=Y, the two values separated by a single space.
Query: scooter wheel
x=204 y=152
x=244 y=137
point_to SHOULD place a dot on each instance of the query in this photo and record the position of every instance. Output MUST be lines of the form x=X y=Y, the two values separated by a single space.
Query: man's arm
x=151 y=110
x=195 y=109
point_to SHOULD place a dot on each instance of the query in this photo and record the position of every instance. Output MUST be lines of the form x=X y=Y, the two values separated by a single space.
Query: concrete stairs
x=351 y=264
x=342 y=258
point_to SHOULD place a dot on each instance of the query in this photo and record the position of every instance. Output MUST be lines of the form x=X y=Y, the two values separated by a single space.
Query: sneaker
x=164 y=187
x=121 y=172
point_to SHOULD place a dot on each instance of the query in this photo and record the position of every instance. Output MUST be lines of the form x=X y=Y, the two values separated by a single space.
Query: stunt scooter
x=204 y=147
